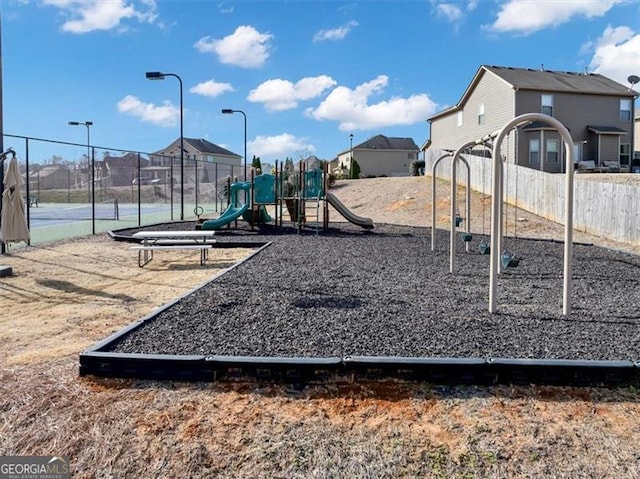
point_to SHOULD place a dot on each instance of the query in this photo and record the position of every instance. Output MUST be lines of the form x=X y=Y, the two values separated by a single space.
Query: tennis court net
x=103 y=210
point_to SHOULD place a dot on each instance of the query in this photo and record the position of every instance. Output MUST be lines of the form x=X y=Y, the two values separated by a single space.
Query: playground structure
x=499 y=256
x=301 y=193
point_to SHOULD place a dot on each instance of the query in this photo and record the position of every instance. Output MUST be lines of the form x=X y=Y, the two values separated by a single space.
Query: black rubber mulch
x=348 y=291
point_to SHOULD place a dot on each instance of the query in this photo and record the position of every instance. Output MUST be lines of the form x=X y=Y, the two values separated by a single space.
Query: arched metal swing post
x=467 y=206
x=504 y=179
x=454 y=186
x=497 y=198
x=433 y=197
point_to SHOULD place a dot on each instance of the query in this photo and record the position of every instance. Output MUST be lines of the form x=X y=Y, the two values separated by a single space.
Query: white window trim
x=625 y=106
x=481 y=115
x=547 y=150
x=544 y=104
x=531 y=150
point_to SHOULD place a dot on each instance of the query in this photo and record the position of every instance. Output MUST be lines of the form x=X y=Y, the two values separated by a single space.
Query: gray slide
x=346 y=212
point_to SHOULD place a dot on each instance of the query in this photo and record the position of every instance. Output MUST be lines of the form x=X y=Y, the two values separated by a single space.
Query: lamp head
x=227 y=111
x=74 y=123
x=154 y=75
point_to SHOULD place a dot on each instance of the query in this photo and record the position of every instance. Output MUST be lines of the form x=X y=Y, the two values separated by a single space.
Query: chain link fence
x=72 y=189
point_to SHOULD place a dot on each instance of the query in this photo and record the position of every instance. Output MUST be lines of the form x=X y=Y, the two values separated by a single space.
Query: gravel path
x=385 y=293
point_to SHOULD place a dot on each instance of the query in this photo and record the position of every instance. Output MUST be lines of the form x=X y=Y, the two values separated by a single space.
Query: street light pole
x=229 y=111
x=161 y=76
x=350 y=154
x=90 y=161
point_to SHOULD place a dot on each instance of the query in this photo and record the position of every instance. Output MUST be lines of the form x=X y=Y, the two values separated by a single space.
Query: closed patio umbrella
x=13 y=224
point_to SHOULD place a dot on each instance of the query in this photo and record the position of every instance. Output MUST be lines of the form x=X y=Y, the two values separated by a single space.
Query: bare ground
x=66 y=296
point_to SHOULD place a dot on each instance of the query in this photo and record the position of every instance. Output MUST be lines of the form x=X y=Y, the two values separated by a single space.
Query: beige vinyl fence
x=605 y=204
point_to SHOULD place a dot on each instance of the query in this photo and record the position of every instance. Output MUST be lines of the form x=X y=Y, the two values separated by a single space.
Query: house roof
x=201 y=146
x=557 y=81
x=541 y=125
x=381 y=142
x=545 y=80
x=607 y=130
x=204 y=146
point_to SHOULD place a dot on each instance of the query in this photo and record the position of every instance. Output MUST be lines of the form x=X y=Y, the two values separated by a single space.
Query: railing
x=74 y=189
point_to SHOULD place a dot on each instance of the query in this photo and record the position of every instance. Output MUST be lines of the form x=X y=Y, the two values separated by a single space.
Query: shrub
x=416 y=168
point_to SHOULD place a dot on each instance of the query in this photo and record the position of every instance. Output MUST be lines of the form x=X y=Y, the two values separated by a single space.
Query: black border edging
x=448 y=371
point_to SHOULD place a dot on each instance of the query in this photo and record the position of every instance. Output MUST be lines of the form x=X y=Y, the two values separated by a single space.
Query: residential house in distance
x=53 y=177
x=123 y=170
x=597 y=111
x=203 y=161
x=66 y=176
x=379 y=156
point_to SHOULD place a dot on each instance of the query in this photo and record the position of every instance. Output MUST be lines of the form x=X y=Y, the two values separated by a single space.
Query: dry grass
x=117 y=428
x=140 y=429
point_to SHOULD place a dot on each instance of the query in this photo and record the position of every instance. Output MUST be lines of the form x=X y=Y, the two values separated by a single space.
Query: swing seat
x=458 y=221
x=509 y=260
x=484 y=248
x=466 y=237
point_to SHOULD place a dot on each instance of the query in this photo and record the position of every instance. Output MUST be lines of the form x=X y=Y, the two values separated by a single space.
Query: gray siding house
x=203 y=160
x=597 y=111
x=379 y=156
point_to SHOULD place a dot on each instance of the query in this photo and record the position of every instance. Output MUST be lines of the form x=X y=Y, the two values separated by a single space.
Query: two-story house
x=123 y=170
x=597 y=111
x=380 y=156
x=203 y=160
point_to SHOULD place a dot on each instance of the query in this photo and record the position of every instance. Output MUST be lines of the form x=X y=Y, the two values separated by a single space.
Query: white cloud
x=472 y=5
x=352 y=110
x=450 y=11
x=616 y=54
x=165 y=115
x=528 y=16
x=279 y=146
x=335 y=34
x=87 y=16
x=211 y=88
x=225 y=8
x=453 y=12
x=279 y=95
x=246 y=47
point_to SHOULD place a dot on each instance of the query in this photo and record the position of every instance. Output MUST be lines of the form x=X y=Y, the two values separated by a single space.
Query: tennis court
x=56 y=221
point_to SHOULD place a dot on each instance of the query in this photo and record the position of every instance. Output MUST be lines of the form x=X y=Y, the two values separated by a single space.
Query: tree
x=354 y=174
x=255 y=163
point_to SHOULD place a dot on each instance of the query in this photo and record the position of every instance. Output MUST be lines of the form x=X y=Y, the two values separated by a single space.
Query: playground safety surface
x=350 y=303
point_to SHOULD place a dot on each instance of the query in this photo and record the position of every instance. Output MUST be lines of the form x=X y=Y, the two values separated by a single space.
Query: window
x=412 y=155
x=625 y=109
x=546 y=104
x=459 y=118
x=552 y=151
x=534 y=151
x=481 y=114
x=625 y=153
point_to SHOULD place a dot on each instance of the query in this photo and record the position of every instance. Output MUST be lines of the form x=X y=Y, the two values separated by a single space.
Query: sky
x=307 y=74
